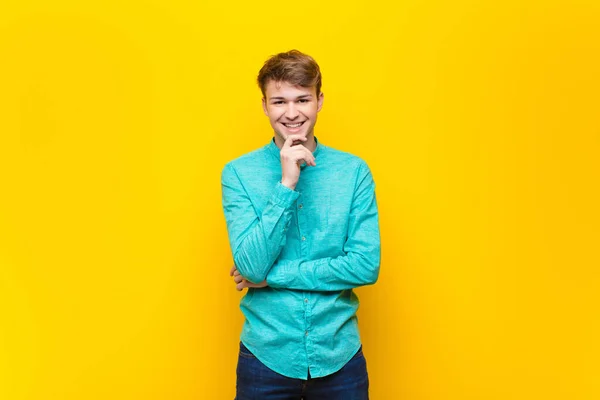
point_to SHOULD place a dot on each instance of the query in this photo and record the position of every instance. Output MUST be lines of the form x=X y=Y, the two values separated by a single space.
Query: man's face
x=291 y=109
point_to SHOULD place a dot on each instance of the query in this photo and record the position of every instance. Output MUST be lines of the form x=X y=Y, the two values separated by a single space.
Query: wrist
x=288 y=184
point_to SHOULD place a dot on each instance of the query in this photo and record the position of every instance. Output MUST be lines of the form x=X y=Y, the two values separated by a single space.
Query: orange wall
x=479 y=122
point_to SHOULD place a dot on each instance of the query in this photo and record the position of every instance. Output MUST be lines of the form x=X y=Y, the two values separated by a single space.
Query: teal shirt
x=312 y=245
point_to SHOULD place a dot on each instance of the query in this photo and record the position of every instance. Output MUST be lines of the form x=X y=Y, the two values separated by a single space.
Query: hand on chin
x=284 y=136
x=296 y=142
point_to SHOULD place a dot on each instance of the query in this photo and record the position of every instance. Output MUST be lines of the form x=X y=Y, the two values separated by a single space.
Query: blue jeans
x=255 y=381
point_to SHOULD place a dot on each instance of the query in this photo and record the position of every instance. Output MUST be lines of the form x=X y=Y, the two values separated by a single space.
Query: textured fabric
x=255 y=381
x=312 y=245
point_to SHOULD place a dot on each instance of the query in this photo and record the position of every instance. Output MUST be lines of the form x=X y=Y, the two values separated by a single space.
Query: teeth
x=293 y=125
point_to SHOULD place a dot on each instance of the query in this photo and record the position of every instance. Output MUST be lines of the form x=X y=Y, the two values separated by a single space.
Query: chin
x=284 y=135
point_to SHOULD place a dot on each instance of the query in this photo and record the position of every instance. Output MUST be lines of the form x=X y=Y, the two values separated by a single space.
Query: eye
x=278 y=102
x=303 y=101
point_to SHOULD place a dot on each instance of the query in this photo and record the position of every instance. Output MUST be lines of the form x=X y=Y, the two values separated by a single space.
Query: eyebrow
x=297 y=98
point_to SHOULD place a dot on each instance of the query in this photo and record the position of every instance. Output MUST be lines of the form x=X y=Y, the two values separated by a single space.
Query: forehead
x=286 y=89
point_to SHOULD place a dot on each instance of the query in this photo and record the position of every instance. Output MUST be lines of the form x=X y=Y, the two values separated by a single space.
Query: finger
x=236 y=273
x=290 y=139
x=232 y=269
x=238 y=279
x=303 y=154
x=310 y=158
x=240 y=286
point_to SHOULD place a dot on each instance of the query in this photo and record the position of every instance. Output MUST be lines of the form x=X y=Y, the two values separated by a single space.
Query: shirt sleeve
x=362 y=251
x=255 y=240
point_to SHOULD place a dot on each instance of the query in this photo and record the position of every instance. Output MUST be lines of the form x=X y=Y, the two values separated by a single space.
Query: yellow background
x=479 y=121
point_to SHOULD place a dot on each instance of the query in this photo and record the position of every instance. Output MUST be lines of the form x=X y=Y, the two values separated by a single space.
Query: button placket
x=301 y=224
x=308 y=326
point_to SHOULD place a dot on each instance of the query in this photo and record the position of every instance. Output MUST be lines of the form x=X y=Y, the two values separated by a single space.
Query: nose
x=291 y=112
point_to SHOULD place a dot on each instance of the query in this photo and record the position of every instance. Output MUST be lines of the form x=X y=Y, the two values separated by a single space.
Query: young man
x=303 y=228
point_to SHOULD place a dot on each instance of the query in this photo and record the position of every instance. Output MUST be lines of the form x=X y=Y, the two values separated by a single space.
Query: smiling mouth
x=294 y=125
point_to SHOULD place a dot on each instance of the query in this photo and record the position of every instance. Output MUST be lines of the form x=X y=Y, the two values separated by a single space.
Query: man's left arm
x=362 y=251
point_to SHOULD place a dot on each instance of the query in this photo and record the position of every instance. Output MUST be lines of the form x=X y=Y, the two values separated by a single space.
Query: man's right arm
x=255 y=240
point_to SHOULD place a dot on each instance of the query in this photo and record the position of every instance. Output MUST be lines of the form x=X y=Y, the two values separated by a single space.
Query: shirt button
x=306 y=300
x=303 y=238
x=306 y=333
x=300 y=206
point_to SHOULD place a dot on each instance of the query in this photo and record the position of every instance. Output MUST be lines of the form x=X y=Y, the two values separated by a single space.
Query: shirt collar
x=273 y=149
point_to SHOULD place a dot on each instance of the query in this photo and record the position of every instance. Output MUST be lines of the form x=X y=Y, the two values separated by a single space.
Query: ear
x=264 y=105
x=320 y=101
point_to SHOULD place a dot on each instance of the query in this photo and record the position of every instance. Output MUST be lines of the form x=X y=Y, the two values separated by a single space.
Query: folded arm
x=360 y=263
x=255 y=240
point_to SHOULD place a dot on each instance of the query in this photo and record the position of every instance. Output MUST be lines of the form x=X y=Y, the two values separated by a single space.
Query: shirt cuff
x=284 y=196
